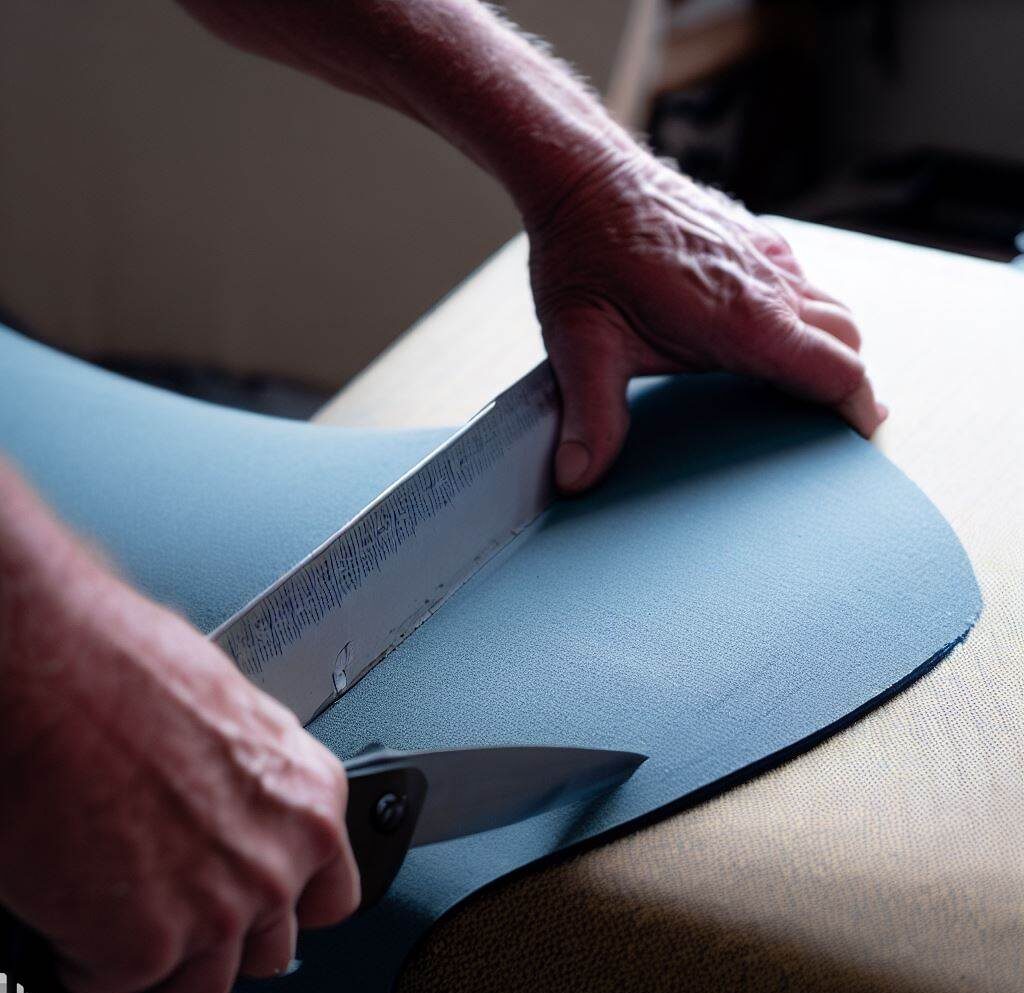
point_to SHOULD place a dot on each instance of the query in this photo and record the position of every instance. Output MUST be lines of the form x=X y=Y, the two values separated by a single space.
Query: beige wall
x=161 y=193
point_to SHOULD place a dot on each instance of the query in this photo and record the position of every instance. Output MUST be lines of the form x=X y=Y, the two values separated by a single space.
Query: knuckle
x=276 y=892
x=323 y=836
x=768 y=241
x=223 y=921
x=848 y=377
x=766 y=331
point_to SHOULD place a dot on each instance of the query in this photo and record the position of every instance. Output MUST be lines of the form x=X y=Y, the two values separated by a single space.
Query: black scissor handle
x=385 y=798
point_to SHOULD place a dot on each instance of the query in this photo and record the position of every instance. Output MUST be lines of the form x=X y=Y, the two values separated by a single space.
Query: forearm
x=140 y=771
x=45 y=579
x=454 y=66
x=29 y=534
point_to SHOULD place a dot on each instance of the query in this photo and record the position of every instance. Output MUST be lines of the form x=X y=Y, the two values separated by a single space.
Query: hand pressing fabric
x=635 y=268
x=166 y=824
x=641 y=271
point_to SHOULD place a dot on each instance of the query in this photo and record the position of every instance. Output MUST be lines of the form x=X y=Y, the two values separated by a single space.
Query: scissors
x=402 y=800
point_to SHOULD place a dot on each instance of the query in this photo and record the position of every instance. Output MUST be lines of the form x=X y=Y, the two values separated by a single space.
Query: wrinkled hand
x=166 y=824
x=641 y=271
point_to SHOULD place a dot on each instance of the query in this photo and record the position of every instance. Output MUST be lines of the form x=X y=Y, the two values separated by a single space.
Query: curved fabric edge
x=684 y=803
x=925 y=561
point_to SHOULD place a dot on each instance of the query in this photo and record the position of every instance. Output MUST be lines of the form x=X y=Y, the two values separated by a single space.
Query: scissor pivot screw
x=389 y=812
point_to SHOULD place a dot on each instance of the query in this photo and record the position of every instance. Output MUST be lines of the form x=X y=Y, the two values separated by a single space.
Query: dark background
x=898 y=117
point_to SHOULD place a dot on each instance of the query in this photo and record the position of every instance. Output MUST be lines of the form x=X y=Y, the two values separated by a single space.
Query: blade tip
x=633 y=760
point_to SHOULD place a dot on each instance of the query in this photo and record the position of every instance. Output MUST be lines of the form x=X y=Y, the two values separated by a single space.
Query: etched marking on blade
x=371 y=584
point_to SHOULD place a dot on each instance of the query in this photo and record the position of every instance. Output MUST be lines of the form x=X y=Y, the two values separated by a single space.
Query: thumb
x=590 y=362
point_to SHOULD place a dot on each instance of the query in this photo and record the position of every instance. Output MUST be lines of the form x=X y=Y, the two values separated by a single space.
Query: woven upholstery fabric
x=890 y=856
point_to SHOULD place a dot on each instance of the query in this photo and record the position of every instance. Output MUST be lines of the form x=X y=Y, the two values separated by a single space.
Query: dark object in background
x=797 y=120
x=754 y=131
x=258 y=394
x=939 y=198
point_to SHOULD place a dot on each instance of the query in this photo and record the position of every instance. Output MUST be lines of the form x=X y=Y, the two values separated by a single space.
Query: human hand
x=635 y=268
x=166 y=824
x=638 y=270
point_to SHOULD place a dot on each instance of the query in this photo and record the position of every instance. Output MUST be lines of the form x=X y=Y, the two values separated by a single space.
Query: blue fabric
x=752 y=577
x=201 y=506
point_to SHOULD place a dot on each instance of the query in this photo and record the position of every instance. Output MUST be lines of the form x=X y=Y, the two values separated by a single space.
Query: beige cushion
x=887 y=858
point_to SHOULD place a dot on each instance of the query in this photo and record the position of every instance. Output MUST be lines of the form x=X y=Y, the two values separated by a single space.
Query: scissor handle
x=385 y=798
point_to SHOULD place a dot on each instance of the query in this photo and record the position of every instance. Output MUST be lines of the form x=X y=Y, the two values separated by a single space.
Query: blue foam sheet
x=752 y=577
x=201 y=506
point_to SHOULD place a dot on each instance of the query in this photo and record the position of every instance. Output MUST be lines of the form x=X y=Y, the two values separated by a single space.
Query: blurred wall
x=163 y=194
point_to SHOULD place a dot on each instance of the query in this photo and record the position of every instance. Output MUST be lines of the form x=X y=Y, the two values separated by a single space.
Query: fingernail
x=571 y=462
x=882 y=410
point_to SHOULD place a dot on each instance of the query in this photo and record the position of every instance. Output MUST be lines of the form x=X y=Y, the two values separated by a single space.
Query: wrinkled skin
x=163 y=817
x=635 y=268
x=641 y=271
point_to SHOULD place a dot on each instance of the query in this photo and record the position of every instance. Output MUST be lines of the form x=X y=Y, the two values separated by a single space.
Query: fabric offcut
x=751 y=577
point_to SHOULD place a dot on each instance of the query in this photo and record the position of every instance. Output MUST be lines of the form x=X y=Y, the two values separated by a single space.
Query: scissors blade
x=477 y=789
